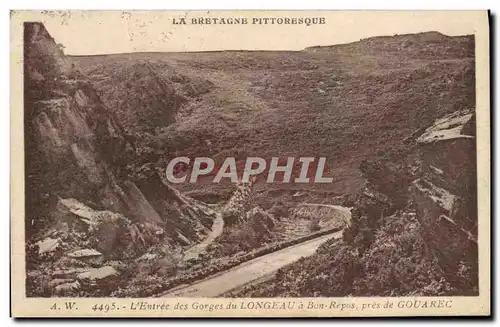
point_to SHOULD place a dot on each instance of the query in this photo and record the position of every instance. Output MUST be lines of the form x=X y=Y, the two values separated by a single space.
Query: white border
x=186 y=4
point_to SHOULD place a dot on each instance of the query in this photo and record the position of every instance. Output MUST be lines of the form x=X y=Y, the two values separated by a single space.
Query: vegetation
x=356 y=104
x=253 y=232
x=398 y=263
x=346 y=103
x=154 y=284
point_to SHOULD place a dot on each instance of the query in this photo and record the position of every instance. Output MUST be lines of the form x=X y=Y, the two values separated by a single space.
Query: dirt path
x=217 y=228
x=346 y=212
x=253 y=269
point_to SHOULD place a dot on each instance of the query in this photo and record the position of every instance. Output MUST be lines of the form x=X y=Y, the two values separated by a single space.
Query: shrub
x=313 y=225
x=279 y=210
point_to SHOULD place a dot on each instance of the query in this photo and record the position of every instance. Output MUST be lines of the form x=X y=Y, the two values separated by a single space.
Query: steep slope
x=142 y=94
x=361 y=105
x=76 y=151
x=413 y=230
x=345 y=102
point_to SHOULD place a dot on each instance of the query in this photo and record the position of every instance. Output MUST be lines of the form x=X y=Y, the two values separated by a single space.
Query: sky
x=103 y=32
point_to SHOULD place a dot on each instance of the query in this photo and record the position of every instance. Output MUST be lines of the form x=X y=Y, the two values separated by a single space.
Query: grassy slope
x=345 y=102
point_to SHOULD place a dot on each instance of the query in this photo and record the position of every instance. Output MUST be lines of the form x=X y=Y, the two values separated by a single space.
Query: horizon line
x=265 y=50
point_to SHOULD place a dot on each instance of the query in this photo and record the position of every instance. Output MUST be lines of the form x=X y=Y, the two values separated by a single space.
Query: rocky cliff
x=75 y=153
x=445 y=195
x=432 y=186
x=413 y=229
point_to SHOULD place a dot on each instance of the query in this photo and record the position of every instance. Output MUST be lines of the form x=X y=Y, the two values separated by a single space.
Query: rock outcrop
x=76 y=192
x=445 y=195
x=432 y=187
x=438 y=178
x=413 y=229
x=74 y=145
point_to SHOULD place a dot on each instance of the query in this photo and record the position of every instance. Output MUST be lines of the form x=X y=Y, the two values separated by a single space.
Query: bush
x=313 y=225
x=279 y=210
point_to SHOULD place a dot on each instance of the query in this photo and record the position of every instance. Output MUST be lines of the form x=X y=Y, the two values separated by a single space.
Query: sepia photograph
x=168 y=155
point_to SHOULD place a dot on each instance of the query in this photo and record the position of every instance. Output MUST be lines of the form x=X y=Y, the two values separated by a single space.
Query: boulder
x=102 y=227
x=67 y=288
x=70 y=273
x=48 y=245
x=83 y=212
x=94 y=274
x=58 y=281
x=84 y=253
x=448 y=127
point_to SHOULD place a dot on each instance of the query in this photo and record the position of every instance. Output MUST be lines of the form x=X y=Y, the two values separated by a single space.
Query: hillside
x=101 y=129
x=85 y=219
x=345 y=102
x=413 y=230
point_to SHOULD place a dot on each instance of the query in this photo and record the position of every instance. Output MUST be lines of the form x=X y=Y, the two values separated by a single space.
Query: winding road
x=217 y=227
x=253 y=269
x=344 y=211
